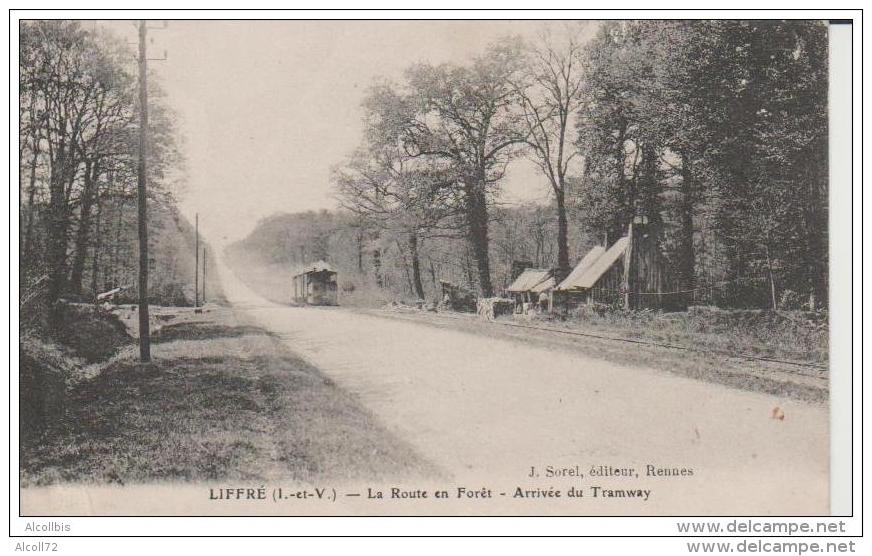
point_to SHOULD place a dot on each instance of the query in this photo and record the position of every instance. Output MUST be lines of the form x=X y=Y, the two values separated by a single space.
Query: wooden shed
x=316 y=285
x=528 y=288
x=598 y=277
x=629 y=273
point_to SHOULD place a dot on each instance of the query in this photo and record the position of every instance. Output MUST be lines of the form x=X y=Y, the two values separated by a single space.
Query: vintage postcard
x=425 y=268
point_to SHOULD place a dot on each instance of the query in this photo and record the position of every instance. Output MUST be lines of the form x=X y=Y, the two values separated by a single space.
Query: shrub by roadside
x=49 y=362
x=91 y=332
x=43 y=373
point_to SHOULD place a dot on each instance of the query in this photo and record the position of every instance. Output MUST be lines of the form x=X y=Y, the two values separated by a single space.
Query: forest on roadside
x=714 y=132
x=78 y=151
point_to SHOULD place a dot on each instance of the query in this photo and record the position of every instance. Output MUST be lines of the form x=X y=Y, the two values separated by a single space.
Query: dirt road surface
x=486 y=411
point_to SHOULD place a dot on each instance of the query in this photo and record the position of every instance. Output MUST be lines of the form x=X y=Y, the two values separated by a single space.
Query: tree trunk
x=477 y=219
x=433 y=274
x=27 y=248
x=376 y=267
x=98 y=246
x=686 y=256
x=623 y=216
x=406 y=268
x=467 y=268
x=56 y=252
x=646 y=198
x=115 y=261
x=416 y=265
x=88 y=194
x=562 y=232
x=360 y=251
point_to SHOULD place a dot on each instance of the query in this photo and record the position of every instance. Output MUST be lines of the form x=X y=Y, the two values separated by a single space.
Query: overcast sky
x=267 y=107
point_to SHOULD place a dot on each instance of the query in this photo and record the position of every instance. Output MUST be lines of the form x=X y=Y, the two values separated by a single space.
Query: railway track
x=800 y=368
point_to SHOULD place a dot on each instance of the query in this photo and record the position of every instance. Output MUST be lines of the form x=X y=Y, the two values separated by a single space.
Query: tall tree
x=105 y=139
x=549 y=92
x=77 y=158
x=60 y=55
x=401 y=196
x=468 y=117
x=719 y=129
x=620 y=148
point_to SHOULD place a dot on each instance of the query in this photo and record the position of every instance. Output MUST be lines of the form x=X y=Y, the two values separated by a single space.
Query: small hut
x=598 y=277
x=316 y=285
x=574 y=277
x=630 y=273
x=528 y=288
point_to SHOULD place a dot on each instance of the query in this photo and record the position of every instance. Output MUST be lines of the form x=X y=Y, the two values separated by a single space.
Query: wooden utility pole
x=196 y=260
x=204 y=276
x=144 y=333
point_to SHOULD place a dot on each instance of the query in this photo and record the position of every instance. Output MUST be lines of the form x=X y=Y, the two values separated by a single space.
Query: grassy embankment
x=791 y=335
x=223 y=400
x=704 y=361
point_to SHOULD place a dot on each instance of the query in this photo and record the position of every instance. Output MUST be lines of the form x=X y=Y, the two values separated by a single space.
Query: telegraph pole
x=196 y=260
x=144 y=333
x=204 y=276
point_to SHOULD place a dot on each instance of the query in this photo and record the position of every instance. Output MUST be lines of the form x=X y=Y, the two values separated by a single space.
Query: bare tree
x=548 y=91
x=401 y=196
x=466 y=116
x=64 y=84
x=77 y=156
x=104 y=140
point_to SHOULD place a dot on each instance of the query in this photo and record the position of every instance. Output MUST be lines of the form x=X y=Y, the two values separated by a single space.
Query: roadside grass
x=789 y=335
x=223 y=400
x=756 y=376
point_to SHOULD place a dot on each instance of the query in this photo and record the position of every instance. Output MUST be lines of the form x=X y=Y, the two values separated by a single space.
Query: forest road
x=488 y=410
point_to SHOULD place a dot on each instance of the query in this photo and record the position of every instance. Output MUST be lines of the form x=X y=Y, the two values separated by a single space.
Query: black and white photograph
x=426 y=267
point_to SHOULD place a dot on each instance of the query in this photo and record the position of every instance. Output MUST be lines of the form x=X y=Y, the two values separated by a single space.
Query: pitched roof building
x=594 y=266
x=533 y=280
